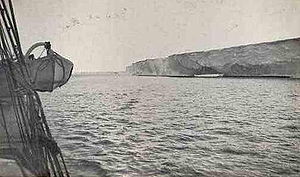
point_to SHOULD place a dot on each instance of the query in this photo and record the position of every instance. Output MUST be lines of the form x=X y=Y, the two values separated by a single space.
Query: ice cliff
x=279 y=58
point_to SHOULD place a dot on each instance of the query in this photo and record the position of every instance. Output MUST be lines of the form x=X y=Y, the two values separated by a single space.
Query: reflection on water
x=296 y=96
x=143 y=126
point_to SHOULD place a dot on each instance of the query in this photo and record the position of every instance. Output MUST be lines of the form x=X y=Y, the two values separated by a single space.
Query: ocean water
x=155 y=126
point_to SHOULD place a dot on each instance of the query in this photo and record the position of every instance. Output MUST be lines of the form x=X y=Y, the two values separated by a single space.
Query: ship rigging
x=25 y=136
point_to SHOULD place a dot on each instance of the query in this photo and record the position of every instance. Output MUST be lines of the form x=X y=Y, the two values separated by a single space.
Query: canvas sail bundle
x=24 y=133
x=49 y=72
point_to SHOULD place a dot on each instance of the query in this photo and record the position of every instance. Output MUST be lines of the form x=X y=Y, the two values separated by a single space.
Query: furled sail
x=48 y=72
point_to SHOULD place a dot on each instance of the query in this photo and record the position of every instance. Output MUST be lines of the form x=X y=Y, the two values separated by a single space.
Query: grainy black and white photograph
x=149 y=88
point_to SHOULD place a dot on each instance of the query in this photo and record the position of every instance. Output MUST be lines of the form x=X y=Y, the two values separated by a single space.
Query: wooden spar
x=15 y=27
x=34 y=46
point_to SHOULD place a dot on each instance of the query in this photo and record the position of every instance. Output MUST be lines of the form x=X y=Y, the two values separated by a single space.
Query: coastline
x=225 y=76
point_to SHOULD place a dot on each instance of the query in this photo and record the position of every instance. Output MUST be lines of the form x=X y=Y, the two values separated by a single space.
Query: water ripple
x=142 y=126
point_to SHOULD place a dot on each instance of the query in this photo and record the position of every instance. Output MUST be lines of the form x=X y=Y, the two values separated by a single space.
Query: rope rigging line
x=27 y=132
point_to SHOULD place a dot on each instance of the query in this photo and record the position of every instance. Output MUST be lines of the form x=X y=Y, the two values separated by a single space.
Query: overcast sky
x=107 y=35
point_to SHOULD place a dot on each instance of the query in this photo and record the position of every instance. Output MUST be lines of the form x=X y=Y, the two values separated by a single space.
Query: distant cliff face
x=279 y=58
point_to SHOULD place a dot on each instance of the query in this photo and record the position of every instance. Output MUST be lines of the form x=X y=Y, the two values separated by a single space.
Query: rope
x=39 y=152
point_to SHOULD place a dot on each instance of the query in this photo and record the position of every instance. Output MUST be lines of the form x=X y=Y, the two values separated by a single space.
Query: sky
x=108 y=35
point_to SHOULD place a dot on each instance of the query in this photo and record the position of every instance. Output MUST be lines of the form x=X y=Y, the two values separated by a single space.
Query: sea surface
x=158 y=126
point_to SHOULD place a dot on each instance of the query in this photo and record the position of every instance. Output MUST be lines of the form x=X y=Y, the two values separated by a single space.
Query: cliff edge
x=279 y=58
